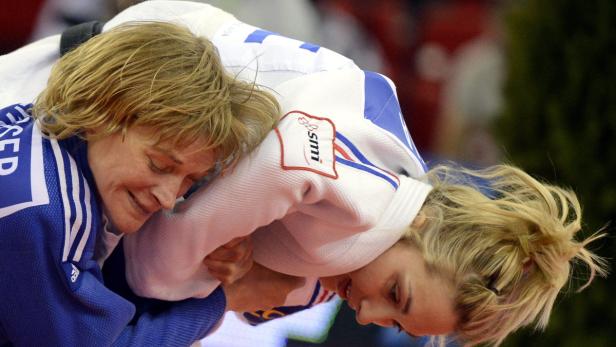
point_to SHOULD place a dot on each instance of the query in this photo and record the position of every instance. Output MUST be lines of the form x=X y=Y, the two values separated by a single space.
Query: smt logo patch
x=307 y=143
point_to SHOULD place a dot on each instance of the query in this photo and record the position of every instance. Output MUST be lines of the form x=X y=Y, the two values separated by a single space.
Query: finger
x=247 y=256
x=219 y=266
x=236 y=241
x=224 y=254
x=224 y=279
x=235 y=270
x=232 y=254
x=224 y=276
x=240 y=251
x=227 y=277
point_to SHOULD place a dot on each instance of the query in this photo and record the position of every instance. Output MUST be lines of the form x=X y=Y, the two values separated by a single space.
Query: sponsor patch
x=307 y=143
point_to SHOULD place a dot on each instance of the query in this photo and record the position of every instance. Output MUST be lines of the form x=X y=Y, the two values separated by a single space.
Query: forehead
x=432 y=310
x=194 y=156
x=433 y=307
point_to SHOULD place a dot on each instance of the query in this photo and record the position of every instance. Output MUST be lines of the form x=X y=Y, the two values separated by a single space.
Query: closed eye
x=394 y=296
x=394 y=293
x=157 y=168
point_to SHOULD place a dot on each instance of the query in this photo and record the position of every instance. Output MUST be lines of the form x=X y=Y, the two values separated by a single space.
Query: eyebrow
x=180 y=162
x=169 y=154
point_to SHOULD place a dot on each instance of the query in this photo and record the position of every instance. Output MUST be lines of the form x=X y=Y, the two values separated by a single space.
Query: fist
x=231 y=261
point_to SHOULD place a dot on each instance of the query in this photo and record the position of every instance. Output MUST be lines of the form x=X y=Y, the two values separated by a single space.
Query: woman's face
x=136 y=177
x=396 y=289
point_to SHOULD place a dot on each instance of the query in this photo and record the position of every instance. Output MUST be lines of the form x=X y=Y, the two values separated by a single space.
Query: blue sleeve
x=182 y=324
x=49 y=303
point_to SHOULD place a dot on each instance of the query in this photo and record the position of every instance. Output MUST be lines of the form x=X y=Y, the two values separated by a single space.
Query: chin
x=129 y=228
x=328 y=282
x=125 y=224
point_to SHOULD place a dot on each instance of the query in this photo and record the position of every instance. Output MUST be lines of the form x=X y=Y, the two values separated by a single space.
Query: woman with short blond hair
x=127 y=123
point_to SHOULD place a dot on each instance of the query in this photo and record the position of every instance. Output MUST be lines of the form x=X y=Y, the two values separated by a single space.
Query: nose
x=167 y=191
x=371 y=312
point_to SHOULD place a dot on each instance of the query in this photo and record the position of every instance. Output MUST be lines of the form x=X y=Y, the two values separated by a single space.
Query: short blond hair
x=158 y=75
x=508 y=242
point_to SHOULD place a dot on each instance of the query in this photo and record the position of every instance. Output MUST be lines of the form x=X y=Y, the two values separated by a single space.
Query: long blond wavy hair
x=508 y=241
x=157 y=75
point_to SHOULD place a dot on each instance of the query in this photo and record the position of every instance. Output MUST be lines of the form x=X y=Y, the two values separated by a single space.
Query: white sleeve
x=24 y=72
x=202 y=19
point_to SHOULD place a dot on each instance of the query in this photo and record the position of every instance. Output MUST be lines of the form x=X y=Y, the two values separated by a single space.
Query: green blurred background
x=559 y=122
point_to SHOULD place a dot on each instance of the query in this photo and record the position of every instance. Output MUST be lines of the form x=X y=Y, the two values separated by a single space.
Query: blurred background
x=480 y=82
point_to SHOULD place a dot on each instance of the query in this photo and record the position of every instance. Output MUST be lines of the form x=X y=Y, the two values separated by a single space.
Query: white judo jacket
x=332 y=187
x=325 y=193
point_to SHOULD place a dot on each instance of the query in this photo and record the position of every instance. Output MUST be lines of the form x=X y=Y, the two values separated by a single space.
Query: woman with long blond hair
x=475 y=254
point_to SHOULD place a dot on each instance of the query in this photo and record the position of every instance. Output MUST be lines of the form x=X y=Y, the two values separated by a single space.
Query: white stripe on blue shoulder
x=57 y=152
x=77 y=210
x=88 y=217
x=74 y=177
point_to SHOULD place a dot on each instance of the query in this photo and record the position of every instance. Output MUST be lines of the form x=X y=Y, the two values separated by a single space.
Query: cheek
x=363 y=283
x=134 y=175
x=370 y=274
x=118 y=181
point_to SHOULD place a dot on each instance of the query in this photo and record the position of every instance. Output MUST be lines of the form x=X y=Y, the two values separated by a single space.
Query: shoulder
x=382 y=108
x=45 y=197
x=269 y=58
x=364 y=109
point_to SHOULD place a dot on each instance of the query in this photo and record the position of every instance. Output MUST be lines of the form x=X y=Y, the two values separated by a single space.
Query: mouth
x=138 y=205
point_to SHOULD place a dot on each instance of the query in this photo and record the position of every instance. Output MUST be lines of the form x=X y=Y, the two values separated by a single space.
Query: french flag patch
x=348 y=154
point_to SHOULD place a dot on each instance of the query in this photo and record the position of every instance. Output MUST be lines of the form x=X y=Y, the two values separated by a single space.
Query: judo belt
x=74 y=36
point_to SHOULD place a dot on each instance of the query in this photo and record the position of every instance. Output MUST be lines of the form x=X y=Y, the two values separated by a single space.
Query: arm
x=305 y=297
x=47 y=302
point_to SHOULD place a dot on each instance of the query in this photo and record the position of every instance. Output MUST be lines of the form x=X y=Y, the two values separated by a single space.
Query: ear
x=419 y=221
x=91 y=133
